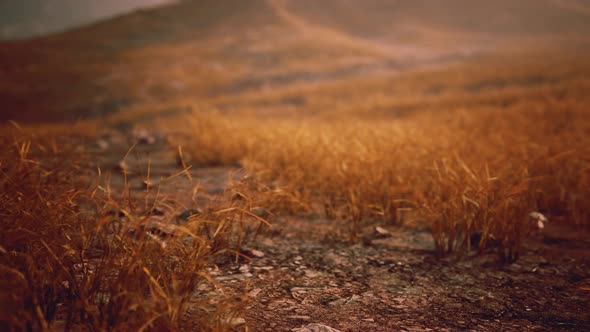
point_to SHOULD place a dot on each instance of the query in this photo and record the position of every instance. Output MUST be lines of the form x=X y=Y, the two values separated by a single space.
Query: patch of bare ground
x=396 y=283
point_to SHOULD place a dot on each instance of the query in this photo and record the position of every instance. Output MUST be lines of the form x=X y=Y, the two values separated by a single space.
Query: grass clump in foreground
x=67 y=263
x=478 y=163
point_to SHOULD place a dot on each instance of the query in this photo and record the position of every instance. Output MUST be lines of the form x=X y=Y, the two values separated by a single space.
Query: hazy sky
x=26 y=18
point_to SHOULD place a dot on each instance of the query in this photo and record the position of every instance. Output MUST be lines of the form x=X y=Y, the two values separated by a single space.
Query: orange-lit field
x=279 y=165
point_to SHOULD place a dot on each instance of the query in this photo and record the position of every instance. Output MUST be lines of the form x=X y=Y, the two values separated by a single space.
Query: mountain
x=206 y=50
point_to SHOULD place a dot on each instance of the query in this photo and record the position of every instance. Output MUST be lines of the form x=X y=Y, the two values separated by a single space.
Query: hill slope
x=210 y=49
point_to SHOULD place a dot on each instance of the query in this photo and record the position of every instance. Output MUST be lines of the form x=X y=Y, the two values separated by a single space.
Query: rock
x=254 y=293
x=234 y=322
x=338 y=302
x=300 y=317
x=233 y=277
x=186 y=215
x=144 y=137
x=344 y=301
x=263 y=268
x=157 y=211
x=315 y=327
x=254 y=253
x=102 y=144
x=238 y=197
x=539 y=219
x=382 y=232
x=122 y=166
x=313 y=274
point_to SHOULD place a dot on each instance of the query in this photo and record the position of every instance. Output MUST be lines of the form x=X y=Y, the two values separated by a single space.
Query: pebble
x=263 y=268
x=237 y=321
x=313 y=274
x=187 y=214
x=253 y=293
x=102 y=144
x=147 y=184
x=382 y=231
x=144 y=137
x=255 y=253
x=233 y=277
x=122 y=166
x=300 y=317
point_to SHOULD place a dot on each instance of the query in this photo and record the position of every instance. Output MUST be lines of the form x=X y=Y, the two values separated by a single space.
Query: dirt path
x=304 y=273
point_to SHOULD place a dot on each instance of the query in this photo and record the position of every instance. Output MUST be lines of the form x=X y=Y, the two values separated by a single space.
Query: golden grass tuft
x=67 y=262
x=480 y=162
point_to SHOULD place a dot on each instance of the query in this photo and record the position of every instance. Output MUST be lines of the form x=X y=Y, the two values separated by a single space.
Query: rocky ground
x=302 y=275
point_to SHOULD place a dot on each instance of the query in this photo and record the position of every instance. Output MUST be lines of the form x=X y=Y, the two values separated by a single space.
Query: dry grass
x=493 y=145
x=72 y=256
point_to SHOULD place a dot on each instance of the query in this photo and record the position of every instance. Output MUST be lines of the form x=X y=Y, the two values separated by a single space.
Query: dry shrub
x=68 y=263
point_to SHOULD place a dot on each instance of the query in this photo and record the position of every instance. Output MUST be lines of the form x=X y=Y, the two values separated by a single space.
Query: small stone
x=253 y=293
x=255 y=253
x=263 y=268
x=238 y=197
x=300 y=317
x=237 y=321
x=144 y=137
x=370 y=320
x=313 y=274
x=186 y=215
x=157 y=211
x=382 y=232
x=147 y=184
x=233 y=277
x=337 y=302
x=102 y=144
x=122 y=166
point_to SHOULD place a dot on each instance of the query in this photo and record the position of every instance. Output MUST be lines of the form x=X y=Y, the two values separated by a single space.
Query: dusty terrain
x=130 y=92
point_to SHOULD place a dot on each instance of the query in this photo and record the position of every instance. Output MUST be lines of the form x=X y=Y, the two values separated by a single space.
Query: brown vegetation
x=80 y=257
x=496 y=144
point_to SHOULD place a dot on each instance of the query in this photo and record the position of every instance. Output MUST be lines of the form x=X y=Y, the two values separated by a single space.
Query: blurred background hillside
x=212 y=50
x=31 y=18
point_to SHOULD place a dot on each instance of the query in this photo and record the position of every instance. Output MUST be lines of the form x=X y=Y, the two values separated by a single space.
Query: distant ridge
x=211 y=48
